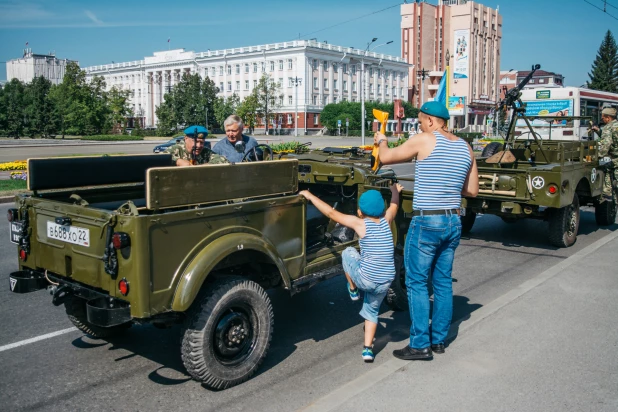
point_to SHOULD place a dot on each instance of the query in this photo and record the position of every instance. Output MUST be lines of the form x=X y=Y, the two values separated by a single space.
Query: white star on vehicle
x=538 y=182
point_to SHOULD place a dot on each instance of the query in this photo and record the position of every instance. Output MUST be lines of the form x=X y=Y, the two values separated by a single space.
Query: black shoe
x=409 y=353
x=438 y=348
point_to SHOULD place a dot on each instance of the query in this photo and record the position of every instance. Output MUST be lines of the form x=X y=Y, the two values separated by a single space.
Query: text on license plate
x=70 y=234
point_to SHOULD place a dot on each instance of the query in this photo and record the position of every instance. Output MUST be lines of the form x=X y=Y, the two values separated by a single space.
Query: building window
x=334 y=66
x=354 y=87
x=238 y=69
x=316 y=119
x=401 y=92
x=353 y=69
x=272 y=66
x=254 y=84
x=334 y=99
x=315 y=82
x=326 y=83
x=246 y=67
x=280 y=81
x=315 y=100
x=221 y=87
x=213 y=71
x=325 y=66
x=263 y=64
x=290 y=82
x=531 y=81
x=371 y=72
x=237 y=85
x=335 y=84
x=246 y=84
x=345 y=85
x=371 y=88
x=229 y=69
x=281 y=100
x=220 y=70
x=541 y=80
x=280 y=64
x=289 y=119
x=254 y=67
x=315 y=64
x=229 y=86
x=290 y=100
x=386 y=90
x=394 y=91
x=289 y=64
x=379 y=73
x=325 y=100
x=379 y=88
x=386 y=74
x=345 y=68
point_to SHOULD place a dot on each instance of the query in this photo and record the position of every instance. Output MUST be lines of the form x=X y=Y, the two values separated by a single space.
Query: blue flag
x=442 y=93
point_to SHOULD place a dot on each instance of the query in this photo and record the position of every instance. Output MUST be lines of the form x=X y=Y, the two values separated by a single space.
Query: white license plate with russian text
x=70 y=234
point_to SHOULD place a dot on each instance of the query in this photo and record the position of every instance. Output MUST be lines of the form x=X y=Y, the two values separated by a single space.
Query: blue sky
x=562 y=35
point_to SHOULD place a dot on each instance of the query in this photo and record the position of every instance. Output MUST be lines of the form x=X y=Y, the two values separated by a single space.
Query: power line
x=603 y=10
x=347 y=21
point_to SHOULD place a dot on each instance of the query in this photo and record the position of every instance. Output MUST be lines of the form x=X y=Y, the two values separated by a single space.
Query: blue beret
x=436 y=109
x=371 y=203
x=202 y=132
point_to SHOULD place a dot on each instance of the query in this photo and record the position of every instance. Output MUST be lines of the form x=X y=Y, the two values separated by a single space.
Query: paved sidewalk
x=551 y=346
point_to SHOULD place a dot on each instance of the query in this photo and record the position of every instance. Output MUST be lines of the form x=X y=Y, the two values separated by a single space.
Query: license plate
x=70 y=234
x=16 y=228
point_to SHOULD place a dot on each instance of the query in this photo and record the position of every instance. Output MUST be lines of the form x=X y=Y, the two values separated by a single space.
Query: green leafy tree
x=119 y=107
x=267 y=93
x=604 y=74
x=13 y=108
x=334 y=112
x=225 y=107
x=39 y=110
x=247 y=110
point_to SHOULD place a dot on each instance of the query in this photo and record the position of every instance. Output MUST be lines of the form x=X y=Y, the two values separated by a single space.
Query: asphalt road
x=315 y=350
x=24 y=149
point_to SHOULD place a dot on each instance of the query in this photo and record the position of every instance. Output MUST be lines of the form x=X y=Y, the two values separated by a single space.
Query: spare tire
x=491 y=149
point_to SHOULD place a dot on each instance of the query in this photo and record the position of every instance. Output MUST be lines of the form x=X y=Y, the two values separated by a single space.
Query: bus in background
x=564 y=101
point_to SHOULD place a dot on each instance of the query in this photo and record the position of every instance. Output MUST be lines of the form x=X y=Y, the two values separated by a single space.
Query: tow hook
x=60 y=294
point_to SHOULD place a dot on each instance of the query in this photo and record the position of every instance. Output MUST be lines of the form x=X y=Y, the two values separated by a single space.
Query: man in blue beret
x=445 y=170
x=236 y=144
x=191 y=151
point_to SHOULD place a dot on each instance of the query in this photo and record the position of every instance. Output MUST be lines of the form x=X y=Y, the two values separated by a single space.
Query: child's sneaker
x=353 y=293
x=368 y=354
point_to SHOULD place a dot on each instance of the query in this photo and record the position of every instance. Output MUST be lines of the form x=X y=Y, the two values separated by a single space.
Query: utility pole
x=422 y=74
x=297 y=82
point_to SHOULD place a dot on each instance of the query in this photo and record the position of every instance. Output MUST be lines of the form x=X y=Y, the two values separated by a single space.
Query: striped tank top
x=377 y=260
x=439 y=178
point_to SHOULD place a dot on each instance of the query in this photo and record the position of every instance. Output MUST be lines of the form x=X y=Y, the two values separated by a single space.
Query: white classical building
x=311 y=74
x=32 y=65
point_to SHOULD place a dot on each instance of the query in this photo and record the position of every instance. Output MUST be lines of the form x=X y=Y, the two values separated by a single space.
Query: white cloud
x=94 y=18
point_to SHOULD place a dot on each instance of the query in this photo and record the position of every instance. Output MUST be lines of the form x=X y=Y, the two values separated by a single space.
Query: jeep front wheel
x=564 y=224
x=227 y=333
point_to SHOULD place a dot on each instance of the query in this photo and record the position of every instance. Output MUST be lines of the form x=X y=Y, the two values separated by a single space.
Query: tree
x=39 y=110
x=334 y=112
x=225 y=107
x=13 y=112
x=267 y=95
x=247 y=110
x=604 y=74
x=119 y=107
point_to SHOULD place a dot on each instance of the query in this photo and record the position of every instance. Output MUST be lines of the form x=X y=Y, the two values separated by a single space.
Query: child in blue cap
x=373 y=270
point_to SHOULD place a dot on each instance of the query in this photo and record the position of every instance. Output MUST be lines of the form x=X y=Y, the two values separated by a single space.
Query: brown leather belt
x=445 y=212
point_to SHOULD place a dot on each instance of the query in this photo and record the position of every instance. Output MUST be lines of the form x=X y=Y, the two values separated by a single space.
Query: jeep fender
x=202 y=264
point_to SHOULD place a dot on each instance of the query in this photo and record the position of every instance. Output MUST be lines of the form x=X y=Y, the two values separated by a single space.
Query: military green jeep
x=128 y=239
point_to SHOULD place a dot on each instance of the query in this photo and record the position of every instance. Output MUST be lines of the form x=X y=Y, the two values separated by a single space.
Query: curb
x=126 y=142
x=7 y=199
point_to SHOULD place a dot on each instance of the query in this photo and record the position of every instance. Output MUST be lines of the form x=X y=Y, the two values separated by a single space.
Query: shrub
x=112 y=138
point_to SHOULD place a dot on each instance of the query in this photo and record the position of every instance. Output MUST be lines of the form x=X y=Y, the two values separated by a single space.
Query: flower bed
x=15 y=165
x=21 y=175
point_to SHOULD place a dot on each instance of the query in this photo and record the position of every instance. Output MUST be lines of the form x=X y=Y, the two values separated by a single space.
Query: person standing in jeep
x=445 y=170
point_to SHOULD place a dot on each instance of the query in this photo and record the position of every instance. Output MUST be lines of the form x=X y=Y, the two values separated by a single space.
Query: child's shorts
x=374 y=293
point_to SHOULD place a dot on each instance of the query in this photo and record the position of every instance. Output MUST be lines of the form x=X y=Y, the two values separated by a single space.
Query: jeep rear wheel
x=227 y=333
x=397 y=294
x=605 y=212
x=76 y=311
x=564 y=224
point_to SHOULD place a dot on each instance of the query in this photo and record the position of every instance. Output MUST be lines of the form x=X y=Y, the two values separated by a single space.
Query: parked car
x=171 y=142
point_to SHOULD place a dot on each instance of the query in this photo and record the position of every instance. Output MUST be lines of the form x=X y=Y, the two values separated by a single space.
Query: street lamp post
x=297 y=82
x=422 y=74
x=362 y=85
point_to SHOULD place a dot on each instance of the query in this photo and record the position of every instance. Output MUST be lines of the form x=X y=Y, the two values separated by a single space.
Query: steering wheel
x=253 y=151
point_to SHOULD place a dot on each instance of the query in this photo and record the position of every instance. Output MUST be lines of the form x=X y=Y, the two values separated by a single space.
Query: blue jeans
x=374 y=293
x=430 y=248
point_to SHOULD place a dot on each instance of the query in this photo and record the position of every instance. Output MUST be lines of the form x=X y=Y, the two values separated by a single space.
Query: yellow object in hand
x=382 y=117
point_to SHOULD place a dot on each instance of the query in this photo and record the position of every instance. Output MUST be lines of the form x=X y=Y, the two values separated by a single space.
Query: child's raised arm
x=391 y=212
x=327 y=210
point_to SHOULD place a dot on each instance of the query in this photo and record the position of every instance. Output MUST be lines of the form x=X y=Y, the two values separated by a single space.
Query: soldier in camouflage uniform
x=608 y=145
x=182 y=154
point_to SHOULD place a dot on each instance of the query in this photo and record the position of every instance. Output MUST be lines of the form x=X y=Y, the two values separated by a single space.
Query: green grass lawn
x=11 y=187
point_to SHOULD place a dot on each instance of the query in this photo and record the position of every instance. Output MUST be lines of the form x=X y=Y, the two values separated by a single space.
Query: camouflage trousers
x=607 y=184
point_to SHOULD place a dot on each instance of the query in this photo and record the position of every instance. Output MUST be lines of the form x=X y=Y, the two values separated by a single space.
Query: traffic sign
x=339 y=123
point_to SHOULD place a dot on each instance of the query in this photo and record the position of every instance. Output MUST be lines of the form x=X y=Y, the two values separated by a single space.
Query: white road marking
x=366 y=381
x=36 y=339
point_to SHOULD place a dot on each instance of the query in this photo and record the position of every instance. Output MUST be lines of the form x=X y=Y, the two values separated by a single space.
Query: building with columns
x=311 y=74
x=469 y=34
x=32 y=65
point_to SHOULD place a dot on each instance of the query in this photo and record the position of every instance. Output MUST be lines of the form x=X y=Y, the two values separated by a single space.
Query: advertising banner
x=461 y=47
x=548 y=108
x=456 y=105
